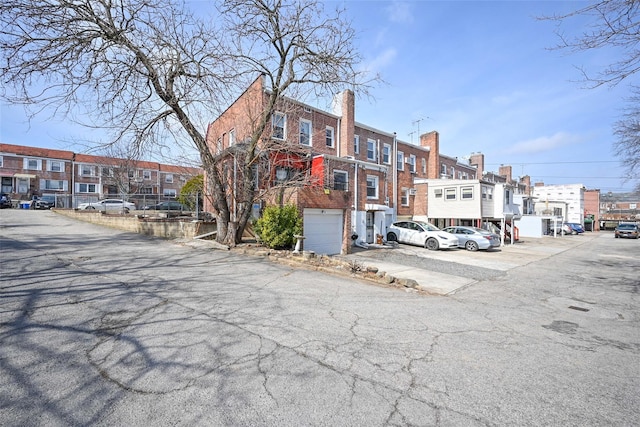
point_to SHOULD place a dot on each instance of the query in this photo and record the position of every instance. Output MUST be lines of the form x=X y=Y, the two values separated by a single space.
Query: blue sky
x=481 y=74
x=478 y=72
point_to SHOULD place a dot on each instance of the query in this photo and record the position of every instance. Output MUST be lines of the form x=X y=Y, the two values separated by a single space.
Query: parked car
x=474 y=238
x=5 y=201
x=575 y=227
x=627 y=230
x=561 y=229
x=422 y=234
x=115 y=205
x=166 y=206
x=44 y=202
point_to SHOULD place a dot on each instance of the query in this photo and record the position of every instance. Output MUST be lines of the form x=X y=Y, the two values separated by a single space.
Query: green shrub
x=277 y=226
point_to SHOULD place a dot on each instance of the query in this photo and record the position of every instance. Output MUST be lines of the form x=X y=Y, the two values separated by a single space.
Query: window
x=424 y=166
x=305 y=132
x=371 y=150
x=356 y=144
x=87 y=188
x=404 y=197
x=466 y=193
x=1 y=163
x=400 y=161
x=146 y=190
x=438 y=192
x=329 y=136
x=146 y=175
x=279 y=125
x=86 y=170
x=372 y=187
x=132 y=173
x=453 y=172
x=219 y=145
x=50 y=184
x=55 y=166
x=386 y=154
x=449 y=193
x=33 y=164
x=168 y=178
x=443 y=169
x=412 y=163
x=169 y=192
x=108 y=172
x=340 y=180
x=487 y=193
x=283 y=175
x=232 y=137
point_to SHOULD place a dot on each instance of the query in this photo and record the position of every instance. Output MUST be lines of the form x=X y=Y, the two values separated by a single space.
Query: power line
x=555 y=163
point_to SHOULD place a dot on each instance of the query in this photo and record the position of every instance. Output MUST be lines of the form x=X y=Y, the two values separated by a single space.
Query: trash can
x=25 y=205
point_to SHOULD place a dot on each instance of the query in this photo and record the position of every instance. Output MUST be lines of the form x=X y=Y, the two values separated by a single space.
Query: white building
x=562 y=200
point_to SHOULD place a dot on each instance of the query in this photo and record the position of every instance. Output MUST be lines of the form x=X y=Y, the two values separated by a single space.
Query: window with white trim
x=466 y=193
x=146 y=175
x=424 y=166
x=169 y=192
x=1 y=162
x=487 y=193
x=279 y=125
x=356 y=144
x=443 y=169
x=168 y=178
x=86 y=188
x=386 y=154
x=371 y=150
x=404 y=197
x=400 y=161
x=53 y=184
x=87 y=170
x=330 y=134
x=412 y=163
x=372 y=187
x=33 y=164
x=132 y=173
x=55 y=166
x=449 y=193
x=305 y=132
x=340 y=179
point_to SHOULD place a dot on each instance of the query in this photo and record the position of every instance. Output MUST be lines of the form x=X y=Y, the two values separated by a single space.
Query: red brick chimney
x=432 y=140
x=347 y=122
x=477 y=160
x=505 y=172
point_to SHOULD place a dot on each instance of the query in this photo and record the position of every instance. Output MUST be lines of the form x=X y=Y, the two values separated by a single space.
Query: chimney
x=344 y=106
x=477 y=160
x=432 y=141
x=505 y=172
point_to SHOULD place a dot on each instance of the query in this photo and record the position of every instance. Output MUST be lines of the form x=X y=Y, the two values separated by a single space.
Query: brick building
x=75 y=178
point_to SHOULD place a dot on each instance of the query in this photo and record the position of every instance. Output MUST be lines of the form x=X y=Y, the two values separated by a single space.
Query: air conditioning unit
x=412 y=191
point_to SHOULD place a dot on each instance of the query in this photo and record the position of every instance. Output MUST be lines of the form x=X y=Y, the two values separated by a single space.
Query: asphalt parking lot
x=445 y=272
x=101 y=327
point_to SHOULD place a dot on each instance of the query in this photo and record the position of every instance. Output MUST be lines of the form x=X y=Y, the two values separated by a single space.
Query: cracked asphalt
x=101 y=327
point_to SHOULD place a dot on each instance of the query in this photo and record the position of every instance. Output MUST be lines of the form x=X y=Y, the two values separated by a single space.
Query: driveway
x=101 y=327
x=445 y=272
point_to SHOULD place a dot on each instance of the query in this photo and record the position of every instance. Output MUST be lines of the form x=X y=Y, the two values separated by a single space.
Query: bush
x=278 y=225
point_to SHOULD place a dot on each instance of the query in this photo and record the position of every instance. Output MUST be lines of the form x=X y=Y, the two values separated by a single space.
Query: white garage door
x=323 y=231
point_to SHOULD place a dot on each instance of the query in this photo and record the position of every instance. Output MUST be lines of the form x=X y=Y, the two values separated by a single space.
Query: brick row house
x=356 y=179
x=77 y=178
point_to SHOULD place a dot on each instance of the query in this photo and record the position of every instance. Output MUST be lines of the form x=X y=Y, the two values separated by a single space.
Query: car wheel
x=391 y=237
x=432 y=244
x=471 y=246
x=90 y=208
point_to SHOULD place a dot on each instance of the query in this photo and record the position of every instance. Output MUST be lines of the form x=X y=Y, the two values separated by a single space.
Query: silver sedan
x=474 y=238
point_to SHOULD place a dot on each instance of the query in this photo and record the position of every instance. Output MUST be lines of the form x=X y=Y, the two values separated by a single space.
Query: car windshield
x=626 y=227
x=429 y=227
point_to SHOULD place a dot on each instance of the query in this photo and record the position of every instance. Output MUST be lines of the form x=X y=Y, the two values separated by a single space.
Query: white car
x=422 y=234
x=115 y=205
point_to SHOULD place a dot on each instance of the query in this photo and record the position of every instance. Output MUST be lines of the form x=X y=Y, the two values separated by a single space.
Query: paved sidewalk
x=505 y=258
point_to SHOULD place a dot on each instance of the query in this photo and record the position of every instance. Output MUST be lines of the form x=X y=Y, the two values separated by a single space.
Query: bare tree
x=615 y=25
x=149 y=70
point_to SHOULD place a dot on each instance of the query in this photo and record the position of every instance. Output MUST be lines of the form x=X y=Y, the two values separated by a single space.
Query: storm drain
x=573 y=307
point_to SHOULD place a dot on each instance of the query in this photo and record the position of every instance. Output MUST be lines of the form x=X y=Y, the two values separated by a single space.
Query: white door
x=323 y=231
